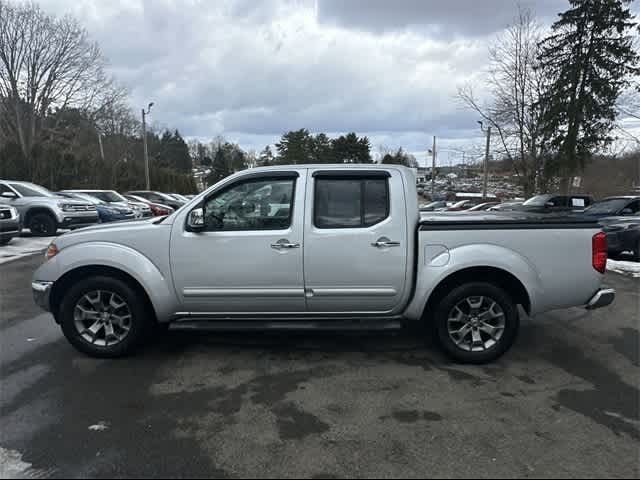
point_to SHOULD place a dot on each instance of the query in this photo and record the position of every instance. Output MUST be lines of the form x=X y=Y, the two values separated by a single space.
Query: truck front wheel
x=476 y=322
x=103 y=317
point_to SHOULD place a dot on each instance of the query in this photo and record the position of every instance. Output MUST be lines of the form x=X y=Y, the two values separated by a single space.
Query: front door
x=356 y=241
x=249 y=258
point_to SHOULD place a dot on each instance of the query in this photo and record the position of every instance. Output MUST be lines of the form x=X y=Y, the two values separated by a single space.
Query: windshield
x=610 y=206
x=31 y=190
x=88 y=198
x=538 y=201
x=108 y=196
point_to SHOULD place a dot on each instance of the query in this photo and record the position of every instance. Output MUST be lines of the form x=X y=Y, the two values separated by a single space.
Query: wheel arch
x=37 y=210
x=78 y=274
x=494 y=275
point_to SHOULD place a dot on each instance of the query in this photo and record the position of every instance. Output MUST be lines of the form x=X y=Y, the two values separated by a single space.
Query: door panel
x=355 y=252
x=255 y=265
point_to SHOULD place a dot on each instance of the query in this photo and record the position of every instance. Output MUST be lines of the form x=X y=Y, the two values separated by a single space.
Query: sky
x=250 y=70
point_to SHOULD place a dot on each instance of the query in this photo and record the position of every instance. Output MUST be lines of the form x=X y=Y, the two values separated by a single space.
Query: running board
x=286 y=325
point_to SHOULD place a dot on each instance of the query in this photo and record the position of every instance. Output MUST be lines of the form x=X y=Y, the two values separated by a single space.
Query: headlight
x=52 y=251
x=66 y=207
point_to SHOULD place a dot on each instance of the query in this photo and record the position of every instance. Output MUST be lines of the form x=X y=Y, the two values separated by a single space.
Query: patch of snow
x=99 y=427
x=23 y=247
x=11 y=464
x=624 y=267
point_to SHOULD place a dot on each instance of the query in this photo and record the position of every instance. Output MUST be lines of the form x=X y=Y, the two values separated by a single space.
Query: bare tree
x=514 y=84
x=46 y=65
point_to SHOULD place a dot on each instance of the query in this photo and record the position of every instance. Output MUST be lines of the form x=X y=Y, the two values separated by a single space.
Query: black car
x=158 y=197
x=556 y=204
x=623 y=235
x=615 y=207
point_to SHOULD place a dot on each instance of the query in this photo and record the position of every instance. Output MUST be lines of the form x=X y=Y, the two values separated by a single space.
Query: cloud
x=466 y=18
x=253 y=70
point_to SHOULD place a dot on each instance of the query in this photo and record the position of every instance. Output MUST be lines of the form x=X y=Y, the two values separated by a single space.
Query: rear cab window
x=350 y=199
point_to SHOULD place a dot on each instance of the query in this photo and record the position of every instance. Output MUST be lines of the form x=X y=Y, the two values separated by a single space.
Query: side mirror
x=627 y=211
x=9 y=195
x=195 y=220
x=549 y=204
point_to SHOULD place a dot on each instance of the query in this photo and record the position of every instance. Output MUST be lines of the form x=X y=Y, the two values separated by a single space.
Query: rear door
x=356 y=241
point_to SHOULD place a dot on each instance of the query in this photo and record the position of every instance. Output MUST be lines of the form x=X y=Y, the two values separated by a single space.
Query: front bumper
x=602 y=298
x=74 y=220
x=41 y=293
x=9 y=228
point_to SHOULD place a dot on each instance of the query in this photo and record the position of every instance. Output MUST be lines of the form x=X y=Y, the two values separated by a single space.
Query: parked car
x=44 y=213
x=615 y=207
x=623 y=235
x=158 y=197
x=106 y=212
x=505 y=206
x=462 y=205
x=483 y=206
x=556 y=204
x=180 y=198
x=113 y=198
x=157 y=209
x=430 y=207
x=9 y=224
x=350 y=252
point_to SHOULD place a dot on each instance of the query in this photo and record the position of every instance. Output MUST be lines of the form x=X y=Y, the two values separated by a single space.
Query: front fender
x=156 y=284
x=433 y=269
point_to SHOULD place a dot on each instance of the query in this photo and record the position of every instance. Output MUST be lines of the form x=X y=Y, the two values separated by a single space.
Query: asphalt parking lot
x=564 y=402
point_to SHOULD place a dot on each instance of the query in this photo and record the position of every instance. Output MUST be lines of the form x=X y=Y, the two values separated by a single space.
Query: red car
x=157 y=209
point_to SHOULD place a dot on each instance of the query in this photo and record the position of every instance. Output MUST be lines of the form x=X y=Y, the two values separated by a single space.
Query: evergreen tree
x=588 y=59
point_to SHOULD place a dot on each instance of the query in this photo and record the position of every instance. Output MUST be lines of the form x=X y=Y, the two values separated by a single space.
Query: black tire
x=139 y=325
x=43 y=225
x=460 y=294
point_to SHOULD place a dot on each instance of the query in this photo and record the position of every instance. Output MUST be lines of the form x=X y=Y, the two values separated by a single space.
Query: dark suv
x=615 y=207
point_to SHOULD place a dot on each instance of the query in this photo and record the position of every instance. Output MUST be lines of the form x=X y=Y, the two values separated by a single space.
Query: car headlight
x=66 y=207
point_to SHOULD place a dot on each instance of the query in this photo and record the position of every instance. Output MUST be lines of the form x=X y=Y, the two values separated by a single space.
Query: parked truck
x=320 y=247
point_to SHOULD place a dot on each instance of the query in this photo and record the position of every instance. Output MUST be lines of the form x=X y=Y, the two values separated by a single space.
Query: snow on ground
x=624 y=267
x=23 y=246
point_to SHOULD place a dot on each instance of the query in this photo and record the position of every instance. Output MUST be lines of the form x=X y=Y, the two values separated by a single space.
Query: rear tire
x=104 y=317
x=476 y=323
x=43 y=225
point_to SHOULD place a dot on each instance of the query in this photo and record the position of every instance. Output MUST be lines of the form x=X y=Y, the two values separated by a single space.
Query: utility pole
x=101 y=149
x=144 y=142
x=433 y=170
x=486 y=160
x=486 y=165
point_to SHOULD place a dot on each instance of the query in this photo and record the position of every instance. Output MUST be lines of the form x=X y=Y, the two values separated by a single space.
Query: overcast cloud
x=251 y=70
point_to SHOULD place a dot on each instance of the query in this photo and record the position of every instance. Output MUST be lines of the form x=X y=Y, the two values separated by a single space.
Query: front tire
x=476 y=323
x=104 y=317
x=43 y=225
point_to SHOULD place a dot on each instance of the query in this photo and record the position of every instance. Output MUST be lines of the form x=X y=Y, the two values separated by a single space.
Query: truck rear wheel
x=103 y=317
x=476 y=322
x=43 y=225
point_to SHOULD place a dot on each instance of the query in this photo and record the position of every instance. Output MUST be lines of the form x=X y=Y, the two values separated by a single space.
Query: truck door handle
x=284 y=244
x=385 y=243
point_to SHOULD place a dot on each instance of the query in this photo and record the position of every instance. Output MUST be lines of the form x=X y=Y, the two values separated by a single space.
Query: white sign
x=577 y=202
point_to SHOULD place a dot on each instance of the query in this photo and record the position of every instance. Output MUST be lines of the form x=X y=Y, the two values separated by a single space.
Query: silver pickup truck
x=319 y=247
